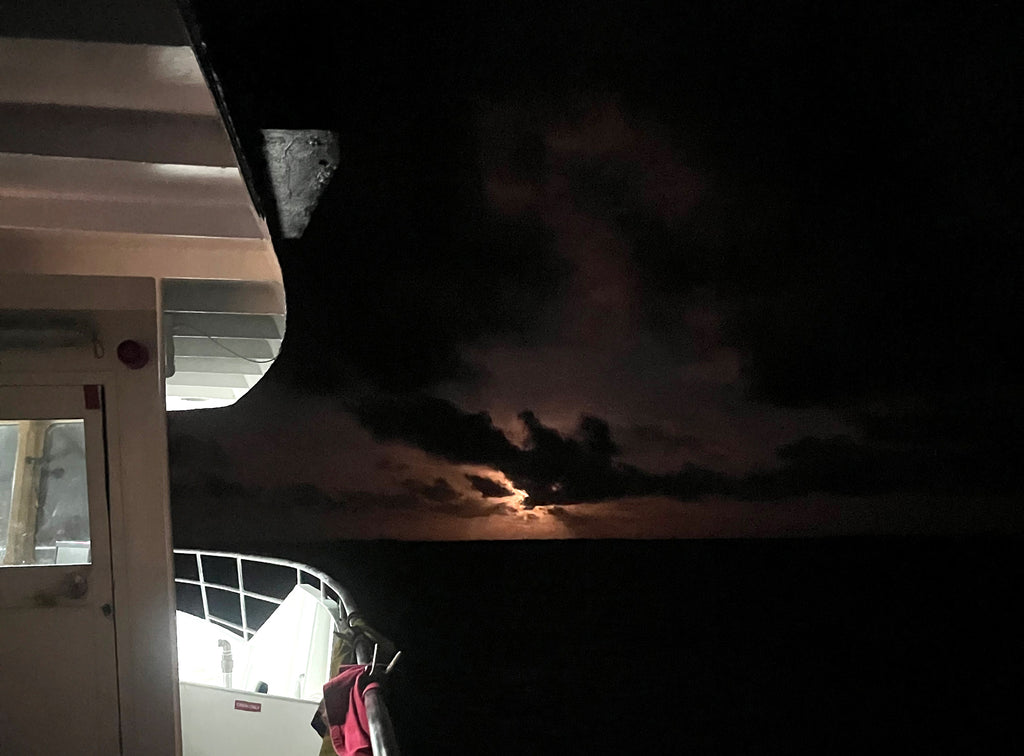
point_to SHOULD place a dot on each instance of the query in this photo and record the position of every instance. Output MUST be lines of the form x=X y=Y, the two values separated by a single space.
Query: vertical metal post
x=21 y=527
x=202 y=587
x=382 y=732
x=241 y=599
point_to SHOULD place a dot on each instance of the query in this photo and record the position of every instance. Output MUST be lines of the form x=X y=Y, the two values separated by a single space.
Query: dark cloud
x=570 y=517
x=390 y=465
x=440 y=490
x=488 y=487
x=922 y=446
x=300 y=495
x=369 y=501
x=468 y=510
x=551 y=467
x=436 y=426
x=665 y=438
x=438 y=497
x=836 y=465
x=840 y=465
x=555 y=468
x=428 y=268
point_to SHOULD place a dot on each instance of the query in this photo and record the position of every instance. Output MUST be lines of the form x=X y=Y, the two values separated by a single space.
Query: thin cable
x=222 y=346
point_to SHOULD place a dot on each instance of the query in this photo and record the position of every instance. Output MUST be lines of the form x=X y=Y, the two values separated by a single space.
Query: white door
x=58 y=669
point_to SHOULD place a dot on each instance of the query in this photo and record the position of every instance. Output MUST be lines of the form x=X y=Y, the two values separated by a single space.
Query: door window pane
x=44 y=502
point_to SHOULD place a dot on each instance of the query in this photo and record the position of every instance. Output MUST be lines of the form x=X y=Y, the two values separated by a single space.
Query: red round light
x=133 y=354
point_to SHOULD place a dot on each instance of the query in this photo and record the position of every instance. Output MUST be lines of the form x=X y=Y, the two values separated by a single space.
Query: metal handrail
x=325 y=584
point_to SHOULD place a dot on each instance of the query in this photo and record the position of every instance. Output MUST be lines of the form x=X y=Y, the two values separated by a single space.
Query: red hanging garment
x=346 y=711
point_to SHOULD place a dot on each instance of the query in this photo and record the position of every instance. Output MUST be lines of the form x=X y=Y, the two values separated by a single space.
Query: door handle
x=73 y=586
x=76 y=586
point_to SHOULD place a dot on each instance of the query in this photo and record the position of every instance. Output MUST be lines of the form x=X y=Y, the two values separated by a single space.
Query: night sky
x=619 y=270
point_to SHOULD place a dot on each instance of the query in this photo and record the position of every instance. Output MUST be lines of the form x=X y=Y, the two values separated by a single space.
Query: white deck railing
x=329 y=590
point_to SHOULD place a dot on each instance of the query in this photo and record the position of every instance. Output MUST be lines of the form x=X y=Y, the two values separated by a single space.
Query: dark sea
x=847 y=645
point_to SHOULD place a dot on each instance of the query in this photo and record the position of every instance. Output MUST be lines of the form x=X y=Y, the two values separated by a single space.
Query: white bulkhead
x=135 y=277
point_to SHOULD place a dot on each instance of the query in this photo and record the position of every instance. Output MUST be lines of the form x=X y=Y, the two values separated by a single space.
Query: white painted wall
x=213 y=726
x=140 y=205
x=117 y=309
